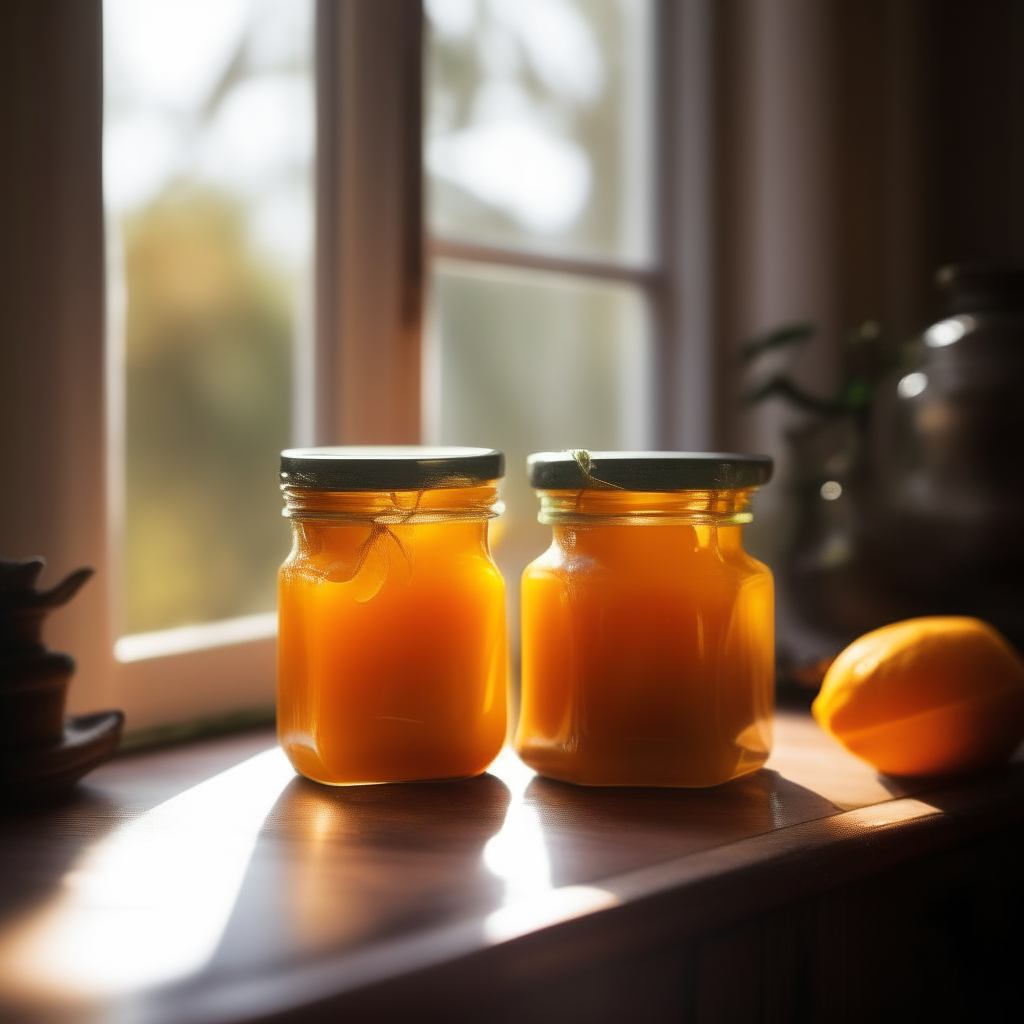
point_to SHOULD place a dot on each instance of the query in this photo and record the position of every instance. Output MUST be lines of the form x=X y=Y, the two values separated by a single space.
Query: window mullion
x=603 y=270
x=369 y=220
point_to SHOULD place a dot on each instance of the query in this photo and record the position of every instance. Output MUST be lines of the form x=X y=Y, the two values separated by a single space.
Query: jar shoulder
x=668 y=558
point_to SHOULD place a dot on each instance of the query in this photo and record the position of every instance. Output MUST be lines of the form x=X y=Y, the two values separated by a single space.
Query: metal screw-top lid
x=389 y=468
x=647 y=471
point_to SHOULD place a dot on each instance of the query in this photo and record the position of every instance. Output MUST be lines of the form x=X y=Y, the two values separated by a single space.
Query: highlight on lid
x=391 y=641
x=389 y=467
x=647 y=630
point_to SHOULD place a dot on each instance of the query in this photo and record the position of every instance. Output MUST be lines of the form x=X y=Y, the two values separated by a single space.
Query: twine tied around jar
x=390 y=521
x=376 y=541
x=603 y=503
x=583 y=459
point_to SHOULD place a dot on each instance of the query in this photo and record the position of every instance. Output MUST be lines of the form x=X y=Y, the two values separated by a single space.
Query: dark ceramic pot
x=929 y=517
x=33 y=690
x=41 y=752
x=33 y=679
x=945 y=528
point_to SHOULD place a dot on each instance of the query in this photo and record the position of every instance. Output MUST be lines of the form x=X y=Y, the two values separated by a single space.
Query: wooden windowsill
x=207 y=883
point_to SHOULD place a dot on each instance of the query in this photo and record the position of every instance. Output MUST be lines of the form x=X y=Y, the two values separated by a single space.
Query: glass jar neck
x=394 y=508
x=613 y=507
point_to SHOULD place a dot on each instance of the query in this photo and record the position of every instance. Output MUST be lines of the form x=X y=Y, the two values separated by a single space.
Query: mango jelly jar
x=647 y=630
x=391 y=614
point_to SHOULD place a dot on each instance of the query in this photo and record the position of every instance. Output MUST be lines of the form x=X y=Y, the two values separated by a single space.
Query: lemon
x=941 y=695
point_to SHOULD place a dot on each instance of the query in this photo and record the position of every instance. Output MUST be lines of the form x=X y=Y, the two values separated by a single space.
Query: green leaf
x=783 y=387
x=858 y=394
x=778 y=337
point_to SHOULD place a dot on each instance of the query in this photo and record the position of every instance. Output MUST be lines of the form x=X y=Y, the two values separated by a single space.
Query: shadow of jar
x=353 y=864
x=593 y=832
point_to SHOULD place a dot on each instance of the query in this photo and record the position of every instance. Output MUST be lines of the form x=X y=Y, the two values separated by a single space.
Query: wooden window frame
x=676 y=282
x=371 y=255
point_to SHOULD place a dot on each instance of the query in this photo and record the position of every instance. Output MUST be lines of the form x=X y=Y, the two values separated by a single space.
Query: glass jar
x=391 y=640
x=647 y=630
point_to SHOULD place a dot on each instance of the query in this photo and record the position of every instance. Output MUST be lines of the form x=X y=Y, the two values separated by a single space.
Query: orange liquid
x=648 y=657
x=391 y=652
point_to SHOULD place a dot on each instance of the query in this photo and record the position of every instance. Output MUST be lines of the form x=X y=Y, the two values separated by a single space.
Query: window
x=553 y=301
x=208 y=175
x=208 y=180
x=540 y=184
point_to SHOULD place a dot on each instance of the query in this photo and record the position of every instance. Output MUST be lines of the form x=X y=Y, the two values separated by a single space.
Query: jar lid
x=647 y=471
x=389 y=468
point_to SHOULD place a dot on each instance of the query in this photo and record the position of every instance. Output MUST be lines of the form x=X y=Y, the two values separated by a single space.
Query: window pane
x=524 y=362
x=538 y=126
x=208 y=143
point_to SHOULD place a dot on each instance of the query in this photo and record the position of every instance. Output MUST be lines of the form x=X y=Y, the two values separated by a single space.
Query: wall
x=52 y=430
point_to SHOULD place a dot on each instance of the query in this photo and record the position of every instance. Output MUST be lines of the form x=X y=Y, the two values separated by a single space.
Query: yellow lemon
x=941 y=695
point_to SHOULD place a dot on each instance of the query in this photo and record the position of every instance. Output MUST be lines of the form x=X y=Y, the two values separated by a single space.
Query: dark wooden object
x=41 y=753
x=812 y=890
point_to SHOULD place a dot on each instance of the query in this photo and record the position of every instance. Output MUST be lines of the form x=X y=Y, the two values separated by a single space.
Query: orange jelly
x=391 y=639
x=647 y=630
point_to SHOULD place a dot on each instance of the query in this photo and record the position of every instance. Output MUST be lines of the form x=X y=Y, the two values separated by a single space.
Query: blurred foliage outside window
x=538 y=124
x=538 y=141
x=208 y=143
x=536 y=361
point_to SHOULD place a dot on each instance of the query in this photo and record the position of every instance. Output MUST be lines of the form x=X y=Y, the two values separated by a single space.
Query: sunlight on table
x=518 y=856
x=150 y=902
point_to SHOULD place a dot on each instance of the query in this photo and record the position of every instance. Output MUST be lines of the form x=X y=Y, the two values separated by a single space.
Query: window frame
x=371 y=257
x=677 y=281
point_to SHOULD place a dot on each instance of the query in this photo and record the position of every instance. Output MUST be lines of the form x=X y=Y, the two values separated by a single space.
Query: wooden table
x=206 y=883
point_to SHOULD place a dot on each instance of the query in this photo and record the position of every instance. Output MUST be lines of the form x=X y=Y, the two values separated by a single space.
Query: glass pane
x=538 y=124
x=208 y=143
x=524 y=362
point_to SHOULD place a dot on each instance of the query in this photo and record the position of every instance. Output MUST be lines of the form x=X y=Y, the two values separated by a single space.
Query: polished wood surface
x=208 y=883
